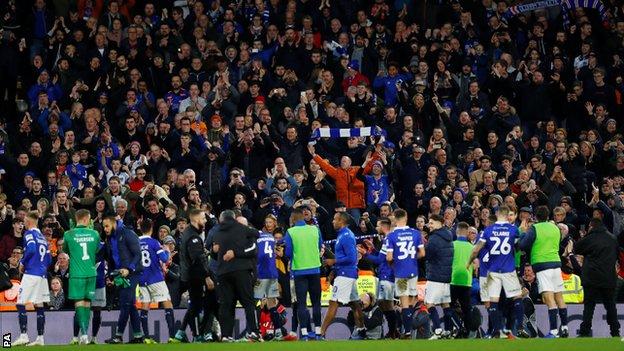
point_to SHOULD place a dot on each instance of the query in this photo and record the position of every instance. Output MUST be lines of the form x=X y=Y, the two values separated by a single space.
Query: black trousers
x=607 y=296
x=461 y=295
x=195 y=289
x=211 y=311
x=232 y=287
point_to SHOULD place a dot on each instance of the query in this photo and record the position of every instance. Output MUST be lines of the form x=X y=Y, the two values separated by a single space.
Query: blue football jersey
x=384 y=271
x=345 y=251
x=36 y=257
x=266 y=256
x=499 y=239
x=484 y=257
x=404 y=243
x=152 y=255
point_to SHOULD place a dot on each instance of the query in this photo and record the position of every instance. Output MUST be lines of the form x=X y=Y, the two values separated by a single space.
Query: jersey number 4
x=500 y=246
x=268 y=249
x=406 y=248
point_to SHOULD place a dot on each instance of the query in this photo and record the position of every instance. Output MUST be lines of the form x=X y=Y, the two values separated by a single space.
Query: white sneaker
x=93 y=341
x=437 y=334
x=74 y=340
x=216 y=329
x=38 y=341
x=22 y=340
x=84 y=340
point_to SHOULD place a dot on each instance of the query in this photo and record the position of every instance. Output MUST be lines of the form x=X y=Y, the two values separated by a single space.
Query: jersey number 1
x=85 y=253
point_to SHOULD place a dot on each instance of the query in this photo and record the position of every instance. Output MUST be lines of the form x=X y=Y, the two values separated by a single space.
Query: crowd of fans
x=148 y=109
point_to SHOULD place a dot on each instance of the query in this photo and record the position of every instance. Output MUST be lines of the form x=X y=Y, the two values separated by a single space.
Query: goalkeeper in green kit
x=82 y=245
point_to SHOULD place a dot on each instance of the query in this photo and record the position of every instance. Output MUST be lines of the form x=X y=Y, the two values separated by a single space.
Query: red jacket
x=349 y=189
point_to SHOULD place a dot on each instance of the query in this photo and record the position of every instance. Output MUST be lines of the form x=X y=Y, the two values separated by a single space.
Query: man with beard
x=194 y=273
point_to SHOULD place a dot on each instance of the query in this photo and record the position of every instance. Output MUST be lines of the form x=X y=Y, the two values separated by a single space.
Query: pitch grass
x=585 y=344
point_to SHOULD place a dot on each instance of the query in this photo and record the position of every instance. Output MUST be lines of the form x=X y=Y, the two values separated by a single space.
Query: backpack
x=474 y=319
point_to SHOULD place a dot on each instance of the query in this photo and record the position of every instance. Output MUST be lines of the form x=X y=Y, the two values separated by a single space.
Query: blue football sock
x=435 y=318
x=23 y=318
x=406 y=317
x=144 y=322
x=40 y=320
x=170 y=321
x=552 y=318
x=495 y=317
x=563 y=315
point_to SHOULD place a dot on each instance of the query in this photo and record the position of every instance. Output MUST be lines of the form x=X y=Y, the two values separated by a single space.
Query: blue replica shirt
x=404 y=243
x=346 y=254
x=152 y=255
x=174 y=99
x=499 y=239
x=381 y=186
x=266 y=256
x=384 y=271
x=36 y=257
x=484 y=257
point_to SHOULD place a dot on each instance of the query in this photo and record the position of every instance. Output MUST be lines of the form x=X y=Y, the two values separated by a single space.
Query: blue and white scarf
x=344 y=133
x=566 y=7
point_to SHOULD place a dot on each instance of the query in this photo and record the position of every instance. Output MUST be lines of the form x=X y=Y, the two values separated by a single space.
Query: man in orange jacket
x=349 y=189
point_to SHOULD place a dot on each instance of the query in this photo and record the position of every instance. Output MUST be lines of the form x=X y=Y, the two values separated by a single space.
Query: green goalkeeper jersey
x=81 y=244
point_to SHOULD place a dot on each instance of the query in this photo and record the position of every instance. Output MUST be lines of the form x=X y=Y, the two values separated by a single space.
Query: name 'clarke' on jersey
x=499 y=239
x=404 y=243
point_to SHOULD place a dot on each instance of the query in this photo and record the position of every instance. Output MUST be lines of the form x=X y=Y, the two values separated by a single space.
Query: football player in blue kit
x=266 y=286
x=152 y=286
x=498 y=240
x=404 y=247
x=34 y=286
x=344 y=289
x=385 y=287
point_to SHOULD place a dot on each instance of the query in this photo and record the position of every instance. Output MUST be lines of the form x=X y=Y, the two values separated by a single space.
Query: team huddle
x=450 y=260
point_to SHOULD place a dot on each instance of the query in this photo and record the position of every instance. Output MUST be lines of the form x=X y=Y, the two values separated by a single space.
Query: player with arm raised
x=499 y=240
x=34 y=286
x=404 y=248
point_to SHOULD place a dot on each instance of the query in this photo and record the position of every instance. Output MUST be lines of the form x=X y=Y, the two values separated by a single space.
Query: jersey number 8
x=145 y=258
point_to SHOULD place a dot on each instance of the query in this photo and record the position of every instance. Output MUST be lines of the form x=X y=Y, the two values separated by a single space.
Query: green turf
x=390 y=345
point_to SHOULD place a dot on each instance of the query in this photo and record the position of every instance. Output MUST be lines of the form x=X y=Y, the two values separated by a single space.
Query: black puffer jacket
x=439 y=256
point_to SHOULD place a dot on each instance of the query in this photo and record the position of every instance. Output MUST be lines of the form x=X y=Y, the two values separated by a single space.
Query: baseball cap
x=354 y=65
